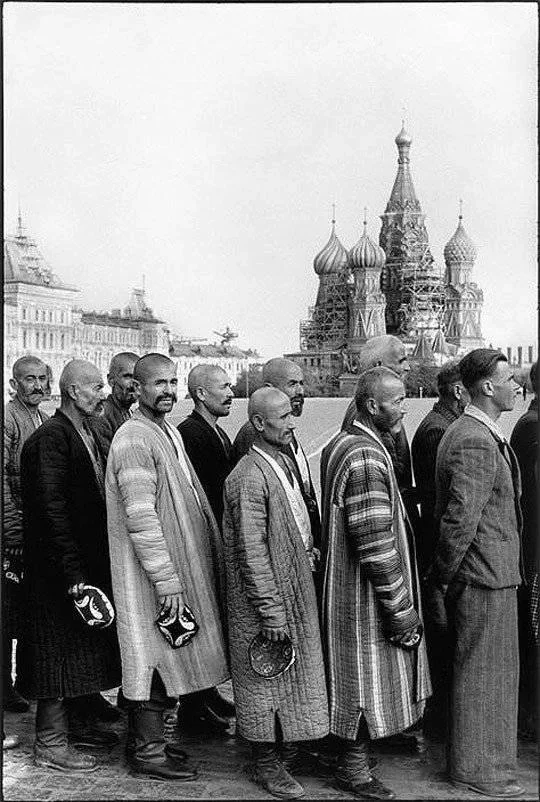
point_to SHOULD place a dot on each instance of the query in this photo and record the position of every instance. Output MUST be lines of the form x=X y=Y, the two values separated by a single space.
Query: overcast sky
x=203 y=145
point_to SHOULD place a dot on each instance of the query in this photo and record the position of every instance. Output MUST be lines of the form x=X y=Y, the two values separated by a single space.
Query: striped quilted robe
x=371 y=590
x=162 y=535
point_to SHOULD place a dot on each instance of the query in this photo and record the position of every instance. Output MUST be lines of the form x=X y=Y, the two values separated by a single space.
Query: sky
x=203 y=146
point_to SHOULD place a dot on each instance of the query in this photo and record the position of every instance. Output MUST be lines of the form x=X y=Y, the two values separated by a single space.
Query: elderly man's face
x=31 y=383
x=291 y=382
x=217 y=394
x=89 y=395
x=397 y=360
x=389 y=398
x=122 y=384
x=278 y=423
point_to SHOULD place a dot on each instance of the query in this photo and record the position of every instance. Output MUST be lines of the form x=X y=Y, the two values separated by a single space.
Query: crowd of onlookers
x=164 y=560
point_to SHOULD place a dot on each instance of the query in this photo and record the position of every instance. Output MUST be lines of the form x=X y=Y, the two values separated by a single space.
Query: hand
x=274 y=633
x=171 y=604
x=76 y=590
x=13 y=551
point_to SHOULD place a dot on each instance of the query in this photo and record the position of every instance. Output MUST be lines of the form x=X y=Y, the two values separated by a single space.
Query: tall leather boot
x=51 y=748
x=146 y=749
x=353 y=773
x=271 y=774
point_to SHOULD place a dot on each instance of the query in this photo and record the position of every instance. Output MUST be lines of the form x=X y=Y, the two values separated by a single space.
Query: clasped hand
x=274 y=634
x=171 y=603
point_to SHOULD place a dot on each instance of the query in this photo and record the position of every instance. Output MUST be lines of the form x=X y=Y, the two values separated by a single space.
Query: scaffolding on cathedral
x=422 y=295
x=328 y=321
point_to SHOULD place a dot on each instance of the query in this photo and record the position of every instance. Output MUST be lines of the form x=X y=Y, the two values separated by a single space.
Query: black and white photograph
x=270 y=401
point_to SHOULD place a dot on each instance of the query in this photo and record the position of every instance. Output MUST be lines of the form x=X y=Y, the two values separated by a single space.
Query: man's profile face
x=389 y=398
x=123 y=387
x=505 y=387
x=89 y=395
x=31 y=383
x=217 y=394
x=291 y=382
x=462 y=396
x=278 y=423
x=158 y=390
x=397 y=360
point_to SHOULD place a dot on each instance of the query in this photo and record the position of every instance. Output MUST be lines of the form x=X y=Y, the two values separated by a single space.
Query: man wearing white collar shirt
x=477 y=567
x=378 y=677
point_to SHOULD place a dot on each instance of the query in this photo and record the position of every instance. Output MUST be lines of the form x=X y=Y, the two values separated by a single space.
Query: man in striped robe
x=376 y=660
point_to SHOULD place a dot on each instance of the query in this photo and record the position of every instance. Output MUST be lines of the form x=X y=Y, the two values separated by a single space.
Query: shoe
x=102 y=709
x=216 y=702
x=91 y=734
x=146 y=748
x=64 y=759
x=165 y=769
x=13 y=702
x=505 y=789
x=372 y=789
x=270 y=773
x=10 y=742
x=177 y=755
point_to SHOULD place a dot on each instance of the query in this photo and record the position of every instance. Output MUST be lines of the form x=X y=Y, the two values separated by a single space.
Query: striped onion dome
x=366 y=253
x=332 y=258
x=460 y=248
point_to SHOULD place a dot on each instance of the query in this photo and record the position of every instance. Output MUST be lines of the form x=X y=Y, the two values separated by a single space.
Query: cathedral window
x=51 y=340
x=24 y=313
x=24 y=339
x=44 y=340
x=37 y=314
x=37 y=339
x=62 y=342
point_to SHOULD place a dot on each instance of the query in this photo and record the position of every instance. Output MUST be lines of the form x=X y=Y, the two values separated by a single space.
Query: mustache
x=165 y=397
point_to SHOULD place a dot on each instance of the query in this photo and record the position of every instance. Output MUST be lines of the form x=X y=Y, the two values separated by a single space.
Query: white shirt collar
x=474 y=412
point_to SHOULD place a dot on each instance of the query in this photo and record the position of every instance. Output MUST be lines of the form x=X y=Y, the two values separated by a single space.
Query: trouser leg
x=51 y=724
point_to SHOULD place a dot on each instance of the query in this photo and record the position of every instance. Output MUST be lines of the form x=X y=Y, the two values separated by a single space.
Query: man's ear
x=72 y=391
x=372 y=406
x=257 y=422
x=487 y=387
x=13 y=384
x=200 y=394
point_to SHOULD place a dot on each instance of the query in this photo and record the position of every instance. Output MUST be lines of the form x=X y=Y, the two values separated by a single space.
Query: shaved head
x=147 y=364
x=203 y=376
x=78 y=371
x=276 y=369
x=81 y=388
x=384 y=350
x=379 y=398
x=120 y=361
x=265 y=400
x=22 y=365
x=287 y=376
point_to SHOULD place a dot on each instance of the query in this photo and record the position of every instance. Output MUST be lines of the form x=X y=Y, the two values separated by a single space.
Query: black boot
x=216 y=702
x=147 y=753
x=271 y=774
x=196 y=717
x=85 y=729
x=51 y=749
x=353 y=773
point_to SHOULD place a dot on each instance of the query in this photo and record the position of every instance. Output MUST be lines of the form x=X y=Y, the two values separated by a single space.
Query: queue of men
x=383 y=611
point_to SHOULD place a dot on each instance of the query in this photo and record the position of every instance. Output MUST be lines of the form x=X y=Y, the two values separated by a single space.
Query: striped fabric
x=371 y=591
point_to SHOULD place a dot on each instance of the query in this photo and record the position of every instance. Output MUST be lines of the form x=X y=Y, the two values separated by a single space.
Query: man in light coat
x=376 y=659
x=268 y=548
x=165 y=550
x=477 y=566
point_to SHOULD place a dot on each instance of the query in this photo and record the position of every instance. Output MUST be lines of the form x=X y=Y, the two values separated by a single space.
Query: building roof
x=24 y=262
x=366 y=253
x=460 y=247
x=333 y=257
x=403 y=194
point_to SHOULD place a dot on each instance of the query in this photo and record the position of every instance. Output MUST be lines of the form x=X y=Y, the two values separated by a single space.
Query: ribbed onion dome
x=366 y=254
x=333 y=257
x=460 y=248
x=403 y=137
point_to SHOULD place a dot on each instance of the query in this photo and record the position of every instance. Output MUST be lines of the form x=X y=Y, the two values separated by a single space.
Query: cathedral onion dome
x=366 y=254
x=403 y=137
x=333 y=257
x=460 y=248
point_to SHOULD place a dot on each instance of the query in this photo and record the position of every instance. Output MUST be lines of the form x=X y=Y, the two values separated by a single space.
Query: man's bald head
x=385 y=350
x=269 y=411
x=210 y=388
x=287 y=376
x=119 y=362
x=30 y=380
x=120 y=378
x=379 y=397
x=81 y=386
x=146 y=365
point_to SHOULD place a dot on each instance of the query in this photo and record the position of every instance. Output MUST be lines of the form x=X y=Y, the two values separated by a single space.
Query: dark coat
x=424 y=455
x=65 y=541
x=210 y=454
x=524 y=441
x=243 y=442
x=106 y=426
x=477 y=507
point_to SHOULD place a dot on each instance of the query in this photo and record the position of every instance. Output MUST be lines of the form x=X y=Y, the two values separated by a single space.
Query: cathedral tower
x=366 y=301
x=410 y=279
x=464 y=298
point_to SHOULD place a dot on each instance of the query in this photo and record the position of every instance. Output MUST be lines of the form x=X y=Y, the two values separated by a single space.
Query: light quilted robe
x=269 y=580
x=161 y=538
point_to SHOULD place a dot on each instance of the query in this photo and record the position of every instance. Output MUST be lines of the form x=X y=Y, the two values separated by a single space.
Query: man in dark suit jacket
x=287 y=376
x=453 y=398
x=524 y=441
x=117 y=405
x=477 y=568
x=210 y=452
x=66 y=547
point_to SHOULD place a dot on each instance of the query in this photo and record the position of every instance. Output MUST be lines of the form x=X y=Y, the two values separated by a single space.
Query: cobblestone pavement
x=223 y=772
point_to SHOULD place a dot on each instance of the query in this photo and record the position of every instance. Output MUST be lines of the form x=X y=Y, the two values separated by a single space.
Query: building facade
x=42 y=317
x=395 y=287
